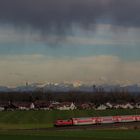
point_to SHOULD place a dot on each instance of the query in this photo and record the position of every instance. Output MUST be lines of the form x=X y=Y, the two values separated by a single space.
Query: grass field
x=71 y=135
x=13 y=125
x=45 y=119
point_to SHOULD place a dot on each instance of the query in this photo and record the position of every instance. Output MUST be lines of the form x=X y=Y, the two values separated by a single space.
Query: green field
x=45 y=119
x=71 y=135
x=13 y=125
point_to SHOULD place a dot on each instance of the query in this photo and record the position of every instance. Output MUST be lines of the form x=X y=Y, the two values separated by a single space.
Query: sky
x=91 y=41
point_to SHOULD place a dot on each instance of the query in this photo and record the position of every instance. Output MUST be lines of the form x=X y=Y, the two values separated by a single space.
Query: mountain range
x=65 y=87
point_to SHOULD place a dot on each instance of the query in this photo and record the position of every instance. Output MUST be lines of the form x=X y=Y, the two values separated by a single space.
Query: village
x=52 y=105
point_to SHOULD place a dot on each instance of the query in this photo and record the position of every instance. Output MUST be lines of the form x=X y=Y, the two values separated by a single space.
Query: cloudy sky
x=93 y=41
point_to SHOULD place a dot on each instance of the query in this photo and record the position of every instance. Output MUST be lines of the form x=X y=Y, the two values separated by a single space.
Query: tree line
x=71 y=96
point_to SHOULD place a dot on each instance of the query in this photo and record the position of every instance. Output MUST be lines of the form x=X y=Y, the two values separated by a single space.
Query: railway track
x=131 y=125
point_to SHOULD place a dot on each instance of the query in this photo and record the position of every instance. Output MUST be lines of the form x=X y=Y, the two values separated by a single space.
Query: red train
x=98 y=120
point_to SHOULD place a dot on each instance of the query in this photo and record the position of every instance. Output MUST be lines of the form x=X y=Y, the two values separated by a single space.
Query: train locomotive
x=98 y=120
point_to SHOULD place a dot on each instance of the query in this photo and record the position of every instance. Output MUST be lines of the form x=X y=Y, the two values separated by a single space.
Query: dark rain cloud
x=59 y=15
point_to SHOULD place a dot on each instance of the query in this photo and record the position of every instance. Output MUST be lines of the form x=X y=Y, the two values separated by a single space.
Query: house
x=101 y=107
x=54 y=105
x=109 y=105
x=42 y=105
x=86 y=106
x=66 y=106
x=10 y=107
x=1 y=108
x=117 y=106
x=137 y=106
x=38 y=105
x=123 y=106
x=127 y=106
x=23 y=106
x=32 y=106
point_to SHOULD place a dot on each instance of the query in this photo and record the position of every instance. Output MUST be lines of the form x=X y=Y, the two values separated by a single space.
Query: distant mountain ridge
x=62 y=87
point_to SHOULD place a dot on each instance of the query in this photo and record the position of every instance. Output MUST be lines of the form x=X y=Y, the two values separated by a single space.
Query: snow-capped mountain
x=4 y=89
x=65 y=87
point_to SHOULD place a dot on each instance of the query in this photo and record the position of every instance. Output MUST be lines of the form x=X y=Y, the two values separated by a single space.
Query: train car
x=127 y=118
x=106 y=119
x=137 y=117
x=84 y=121
x=98 y=120
x=64 y=122
x=116 y=119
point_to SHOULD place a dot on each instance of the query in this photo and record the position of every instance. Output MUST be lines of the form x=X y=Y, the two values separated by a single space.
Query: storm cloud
x=61 y=15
